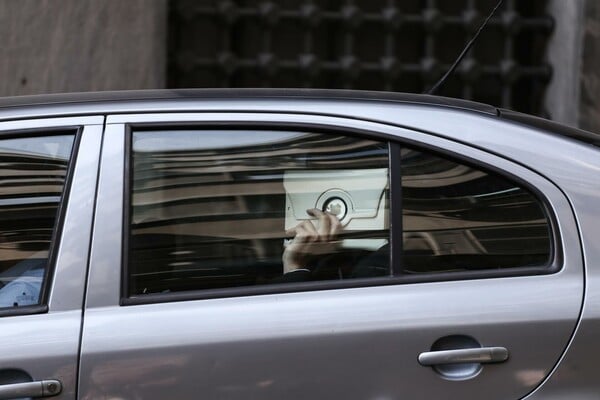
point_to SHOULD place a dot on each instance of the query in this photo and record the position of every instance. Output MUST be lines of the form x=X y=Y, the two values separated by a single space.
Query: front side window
x=222 y=209
x=32 y=180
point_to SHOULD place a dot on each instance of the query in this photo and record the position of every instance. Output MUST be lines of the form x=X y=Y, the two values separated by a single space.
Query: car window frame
x=55 y=241
x=395 y=145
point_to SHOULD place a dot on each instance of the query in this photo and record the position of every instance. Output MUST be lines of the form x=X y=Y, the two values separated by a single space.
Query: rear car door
x=48 y=170
x=454 y=273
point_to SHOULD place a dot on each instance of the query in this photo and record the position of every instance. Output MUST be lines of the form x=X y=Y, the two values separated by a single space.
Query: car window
x=222 y=209
x=458 y=217
x=32 y=179
x=235 y=208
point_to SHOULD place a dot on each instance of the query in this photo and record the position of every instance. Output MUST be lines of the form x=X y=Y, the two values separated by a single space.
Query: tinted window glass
x=32 y=179
x=457 y=217
x=216 y=209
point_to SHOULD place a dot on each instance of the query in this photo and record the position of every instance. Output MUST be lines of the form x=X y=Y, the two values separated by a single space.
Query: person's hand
x=309 y=241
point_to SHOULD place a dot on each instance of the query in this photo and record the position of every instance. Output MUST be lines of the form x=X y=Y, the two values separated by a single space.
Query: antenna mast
x=464 y=52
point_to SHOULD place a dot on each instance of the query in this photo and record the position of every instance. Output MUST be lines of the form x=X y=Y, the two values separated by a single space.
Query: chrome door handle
x=45 y=388
x=462 y=356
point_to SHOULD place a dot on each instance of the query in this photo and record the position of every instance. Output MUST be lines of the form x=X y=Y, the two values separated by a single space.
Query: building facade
x=535 y=56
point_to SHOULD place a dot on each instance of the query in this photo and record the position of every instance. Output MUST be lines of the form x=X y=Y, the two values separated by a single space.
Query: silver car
x=294 y=244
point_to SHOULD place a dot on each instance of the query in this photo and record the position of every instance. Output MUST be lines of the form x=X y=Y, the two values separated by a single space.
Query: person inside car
x=314 y=253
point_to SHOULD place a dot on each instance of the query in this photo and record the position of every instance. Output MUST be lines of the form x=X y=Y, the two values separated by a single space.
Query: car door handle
x=45 y=388
x=462 y=356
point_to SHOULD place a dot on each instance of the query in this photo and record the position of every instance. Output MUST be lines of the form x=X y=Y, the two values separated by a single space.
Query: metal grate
x=394 y=45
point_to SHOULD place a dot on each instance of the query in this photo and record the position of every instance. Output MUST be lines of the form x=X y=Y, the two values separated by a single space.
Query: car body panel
x=341 y=343
x=115 y=102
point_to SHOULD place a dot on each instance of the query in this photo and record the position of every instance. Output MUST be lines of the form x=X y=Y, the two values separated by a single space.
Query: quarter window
x=460 y=218
x=32 y=180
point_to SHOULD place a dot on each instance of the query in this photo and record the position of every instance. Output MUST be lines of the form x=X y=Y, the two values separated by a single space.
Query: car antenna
x=464 y=52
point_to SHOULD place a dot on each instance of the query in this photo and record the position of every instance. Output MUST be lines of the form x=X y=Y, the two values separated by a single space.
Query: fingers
x=310 y=241
x=335 y=228
x=304 y=232
x=324 y=223
x=329 y=224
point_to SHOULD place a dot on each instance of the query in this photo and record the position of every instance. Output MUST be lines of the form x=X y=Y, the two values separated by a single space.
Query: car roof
x=110 y=99
x=551 y=126
x=207 y=94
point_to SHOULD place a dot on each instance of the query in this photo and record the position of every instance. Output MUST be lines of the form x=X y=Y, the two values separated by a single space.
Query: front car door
x=48 y=170
x=442 y=247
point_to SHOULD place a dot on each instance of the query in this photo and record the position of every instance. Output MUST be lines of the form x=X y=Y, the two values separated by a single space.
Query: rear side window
x=222 y=209
x=32 y=181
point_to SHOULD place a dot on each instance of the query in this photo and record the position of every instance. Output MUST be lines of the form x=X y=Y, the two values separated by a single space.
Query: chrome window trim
x=50 y=123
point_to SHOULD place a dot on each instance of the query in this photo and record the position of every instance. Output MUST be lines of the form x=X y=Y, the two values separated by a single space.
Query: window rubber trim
x=395 y=145
x=395 y=211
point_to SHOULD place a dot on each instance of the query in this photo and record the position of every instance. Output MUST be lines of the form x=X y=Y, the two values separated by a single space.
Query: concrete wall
x=573 y=96
x=564 y=54
x=589 y=102
x=81 y=45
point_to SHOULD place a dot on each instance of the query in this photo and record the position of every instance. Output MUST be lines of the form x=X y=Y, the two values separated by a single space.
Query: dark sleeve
x=375 y=264
x=301 y=275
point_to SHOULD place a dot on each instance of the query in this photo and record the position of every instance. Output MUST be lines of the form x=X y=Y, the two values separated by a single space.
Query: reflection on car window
x=32 y=178
x=218 y=209
x=457 y=218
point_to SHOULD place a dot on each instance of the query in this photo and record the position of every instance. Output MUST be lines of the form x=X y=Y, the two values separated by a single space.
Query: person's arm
x=310 y=242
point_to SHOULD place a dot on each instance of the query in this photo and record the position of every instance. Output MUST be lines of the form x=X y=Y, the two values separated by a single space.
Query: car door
x=453 y=273
x=48 y=171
